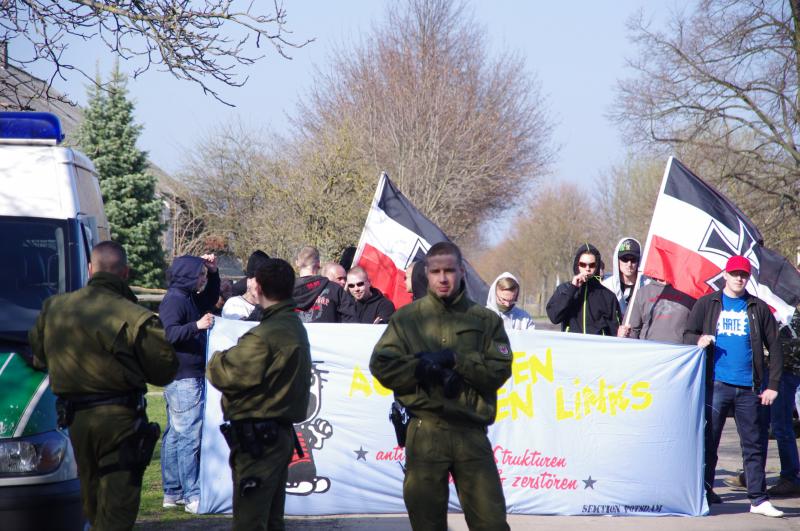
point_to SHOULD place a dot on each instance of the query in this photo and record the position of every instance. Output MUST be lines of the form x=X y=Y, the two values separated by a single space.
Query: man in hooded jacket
x=583 y=305
x=502 y=300
x=626 y=271
x=318 y=299
x=193 y=291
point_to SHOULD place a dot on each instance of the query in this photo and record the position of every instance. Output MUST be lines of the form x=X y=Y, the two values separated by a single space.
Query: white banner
x=585 y=425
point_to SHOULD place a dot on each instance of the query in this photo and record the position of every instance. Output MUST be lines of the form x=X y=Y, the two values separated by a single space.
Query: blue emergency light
x=31 y=126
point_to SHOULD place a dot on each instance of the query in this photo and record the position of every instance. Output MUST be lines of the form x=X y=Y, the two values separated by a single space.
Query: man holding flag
x=694 y=234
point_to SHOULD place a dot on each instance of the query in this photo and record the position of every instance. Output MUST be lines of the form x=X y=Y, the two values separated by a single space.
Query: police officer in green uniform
x=265 y=382
x=445 y=357
x=101 y=349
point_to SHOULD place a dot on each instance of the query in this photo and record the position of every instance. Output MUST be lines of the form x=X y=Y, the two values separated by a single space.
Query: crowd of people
x=264 y=379
x=751 y=364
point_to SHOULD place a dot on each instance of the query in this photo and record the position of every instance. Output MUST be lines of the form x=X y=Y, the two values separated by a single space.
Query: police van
x=51 y=214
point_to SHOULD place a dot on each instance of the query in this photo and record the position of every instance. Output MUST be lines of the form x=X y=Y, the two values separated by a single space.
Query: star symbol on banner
x=361 y=454
x=589 y=483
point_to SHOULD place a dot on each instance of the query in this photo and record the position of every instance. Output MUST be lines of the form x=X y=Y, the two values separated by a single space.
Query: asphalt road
x=732 y=515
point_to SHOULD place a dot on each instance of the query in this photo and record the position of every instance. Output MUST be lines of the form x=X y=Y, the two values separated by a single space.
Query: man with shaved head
x=335 y=273
x=109 y=257
x=101 y=350
x=372 y=306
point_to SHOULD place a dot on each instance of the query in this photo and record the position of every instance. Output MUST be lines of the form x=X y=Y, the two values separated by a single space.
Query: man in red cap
x=734 y=327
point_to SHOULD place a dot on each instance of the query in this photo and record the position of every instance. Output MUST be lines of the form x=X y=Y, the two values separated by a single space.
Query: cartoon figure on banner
x=302 y=479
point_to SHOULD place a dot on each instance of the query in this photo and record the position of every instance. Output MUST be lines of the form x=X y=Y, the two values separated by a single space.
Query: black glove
x=427 y=372
x=436 y=368
x=445 y=359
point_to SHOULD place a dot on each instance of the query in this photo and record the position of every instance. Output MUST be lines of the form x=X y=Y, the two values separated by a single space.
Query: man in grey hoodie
x=626 y=274
x=502 y=300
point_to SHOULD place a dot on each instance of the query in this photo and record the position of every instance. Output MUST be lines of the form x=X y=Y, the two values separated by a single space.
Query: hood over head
x=625 y=246
x=184 y=271
x=586 y=248
x=491 y=298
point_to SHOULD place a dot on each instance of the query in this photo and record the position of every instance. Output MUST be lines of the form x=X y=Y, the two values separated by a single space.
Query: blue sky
x=577 y=50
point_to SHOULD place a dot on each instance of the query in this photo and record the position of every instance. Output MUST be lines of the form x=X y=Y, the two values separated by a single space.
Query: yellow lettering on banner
x=545 y=370
x=359 y=382
x=605 y=399
x=519 y=368
x=592 y=400
x=381 y=390
x=641 y=390
x=518 y=404
x=561 y=411
x=617 y=399
x=526 y=368
x=503 y=405
x=513 y=404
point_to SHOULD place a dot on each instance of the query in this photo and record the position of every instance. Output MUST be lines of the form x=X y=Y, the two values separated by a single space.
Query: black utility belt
x=133 y=400
x=253 y=435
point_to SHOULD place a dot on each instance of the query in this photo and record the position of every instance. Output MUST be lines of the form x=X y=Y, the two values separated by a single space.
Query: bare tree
x=199 y=41
x=277 y=195
x=541 y=245
x=461 y=133
x=625 y=199
x=720 y=87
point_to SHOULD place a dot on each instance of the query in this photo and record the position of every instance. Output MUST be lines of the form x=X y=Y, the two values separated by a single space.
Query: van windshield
x=32 y=268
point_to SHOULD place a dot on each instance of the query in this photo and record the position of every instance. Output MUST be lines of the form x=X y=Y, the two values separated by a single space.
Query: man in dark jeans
x=734 y=327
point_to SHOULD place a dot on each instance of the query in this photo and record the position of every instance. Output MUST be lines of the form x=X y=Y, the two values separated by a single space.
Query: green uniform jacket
x=98 y=340
x=483 y=357
x=267 y=375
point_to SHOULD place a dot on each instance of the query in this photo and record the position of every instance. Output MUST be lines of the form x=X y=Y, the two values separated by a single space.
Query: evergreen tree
x=108 y=136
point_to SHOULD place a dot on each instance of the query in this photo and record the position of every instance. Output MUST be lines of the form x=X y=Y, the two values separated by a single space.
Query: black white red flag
x=695 y=229
x=395 y=235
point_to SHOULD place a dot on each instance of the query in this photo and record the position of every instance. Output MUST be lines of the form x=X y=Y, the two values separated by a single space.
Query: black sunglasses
x=359 y=284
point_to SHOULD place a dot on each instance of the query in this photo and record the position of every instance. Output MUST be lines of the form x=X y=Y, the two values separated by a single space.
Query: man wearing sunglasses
x=626 y=265
x=372 y=307
x=583 y=305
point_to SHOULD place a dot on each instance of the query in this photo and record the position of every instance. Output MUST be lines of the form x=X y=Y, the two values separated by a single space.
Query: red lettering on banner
x=545 y=481
x=530 y=458
x=395 y=454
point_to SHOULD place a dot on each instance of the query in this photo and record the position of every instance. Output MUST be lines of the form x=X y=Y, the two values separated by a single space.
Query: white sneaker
x=172 y=501
x=192 y=506
x=766 y=509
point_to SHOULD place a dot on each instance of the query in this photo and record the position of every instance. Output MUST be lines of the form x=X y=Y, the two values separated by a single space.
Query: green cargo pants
x=260 y=507
x=110 y=502
x=435 y=448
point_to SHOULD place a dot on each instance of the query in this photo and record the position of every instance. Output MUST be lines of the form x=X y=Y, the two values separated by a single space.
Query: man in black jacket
x=734 y=327
x=372 y=306
x=318 y=299
x=583 y=305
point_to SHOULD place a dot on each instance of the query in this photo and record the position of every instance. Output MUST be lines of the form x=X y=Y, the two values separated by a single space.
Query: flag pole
x=643 y=258
x=373 y=208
